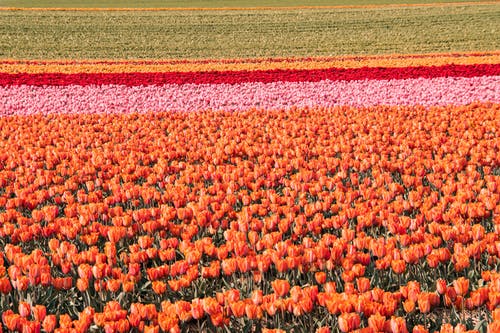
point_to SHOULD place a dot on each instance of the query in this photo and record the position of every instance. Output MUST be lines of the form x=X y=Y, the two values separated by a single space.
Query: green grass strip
x=204 y=3
x=243 y=34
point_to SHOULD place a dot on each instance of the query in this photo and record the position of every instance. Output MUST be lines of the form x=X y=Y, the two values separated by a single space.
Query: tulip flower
x=24 y=309
x=461 y=286
x=320 y=277
x=348 y=322
x=420 y=329
x=324 y=329
x=441 y=286
x=398 y=266
x=49 y=323
x=424 y=304
x=376 y=322
x=280 y=287
x=398 y=325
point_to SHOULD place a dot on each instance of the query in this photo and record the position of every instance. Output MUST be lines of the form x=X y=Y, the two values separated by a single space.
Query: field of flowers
x=350 y=193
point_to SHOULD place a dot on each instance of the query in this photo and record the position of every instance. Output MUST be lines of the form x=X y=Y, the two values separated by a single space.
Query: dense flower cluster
x=54 y=87
x=376 y=219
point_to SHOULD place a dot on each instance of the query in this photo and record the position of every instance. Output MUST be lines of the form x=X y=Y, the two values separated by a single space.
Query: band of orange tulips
x=143 y=241
x=10 y=66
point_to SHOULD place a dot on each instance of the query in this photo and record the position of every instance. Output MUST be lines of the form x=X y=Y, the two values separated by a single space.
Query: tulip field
x=321 y=167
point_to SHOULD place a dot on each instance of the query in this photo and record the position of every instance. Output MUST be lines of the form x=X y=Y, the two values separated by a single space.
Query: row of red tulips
x=242 y=76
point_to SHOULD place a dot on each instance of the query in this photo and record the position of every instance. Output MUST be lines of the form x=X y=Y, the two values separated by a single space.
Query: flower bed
x=344 y=198
x=235 y=85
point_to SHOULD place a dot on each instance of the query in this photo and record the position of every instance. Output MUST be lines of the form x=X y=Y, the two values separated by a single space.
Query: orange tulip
x=253 y=311
x=424 y=304
x=348 y=276
x=238 y=308
x=151 y=329
x=460 y=328
x=330 y=287
x=280 y=287
x=123 y=326
x=5 y=286
x=82 y=284
x=320 y=277
x=113 y=285
x=461 y=286
x=363 y=284
x=24 y=309
x=348 y=321
x=420 y=329
x=183 y=310
x=398 y=325
x=398 y=266
x=413 y=290
x=450 y=296
x=49 y=323
x=441 y=286
x=45 y=279
x=323 y=329
x=11 y=320
x=257 y=297
x=376 y=322
x=433 y=260
x=128 y=286
x=159 y=287
x=493 y=327
x=39 y=312
x=168 y=197
x=349 y=288
x=409 y=306
x=197 y=310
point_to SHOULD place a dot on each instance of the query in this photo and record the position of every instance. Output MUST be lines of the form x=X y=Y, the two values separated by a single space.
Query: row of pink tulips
x=22 y=100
